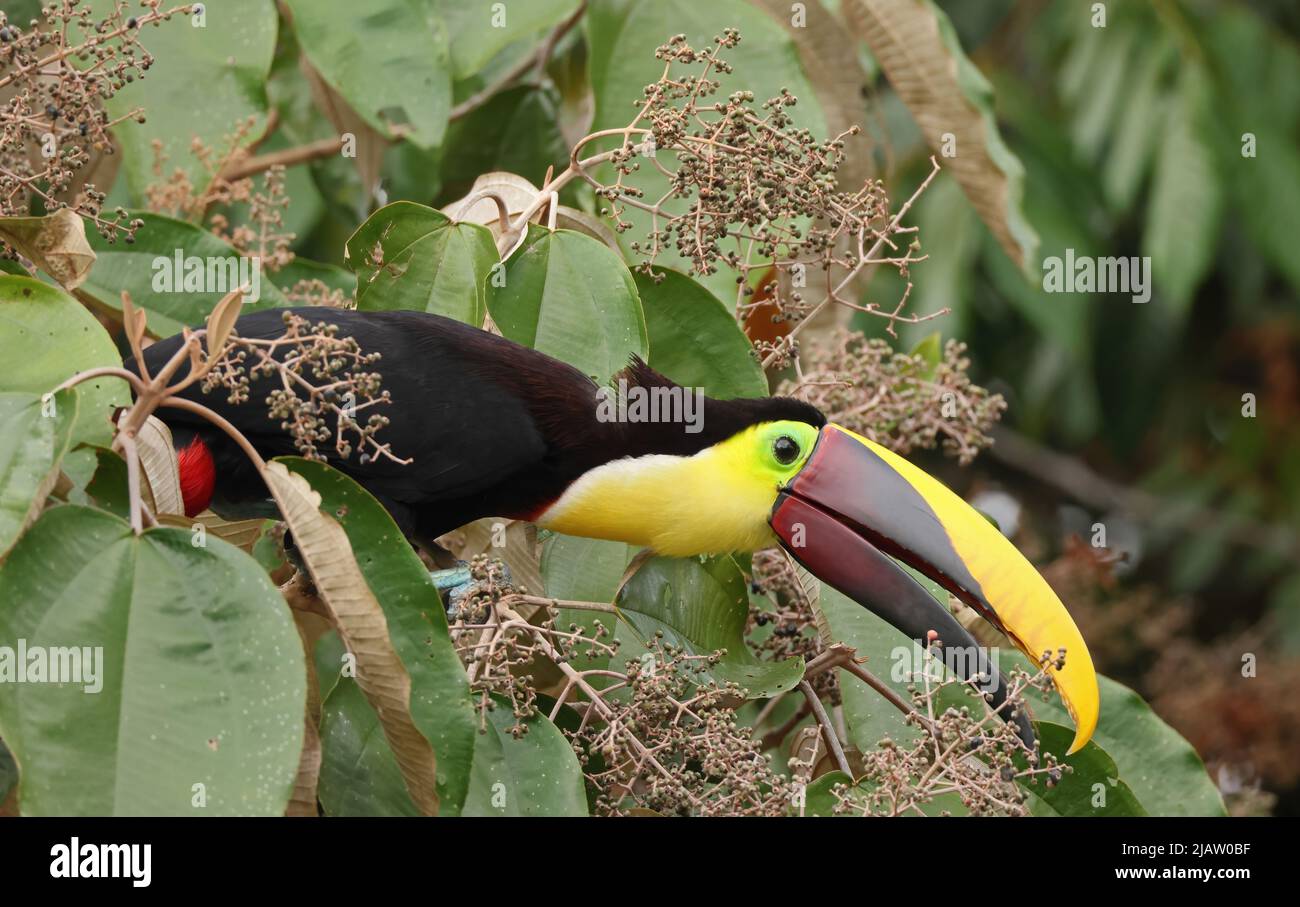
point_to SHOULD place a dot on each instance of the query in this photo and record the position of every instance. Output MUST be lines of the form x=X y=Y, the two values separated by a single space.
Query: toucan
x=493 y=428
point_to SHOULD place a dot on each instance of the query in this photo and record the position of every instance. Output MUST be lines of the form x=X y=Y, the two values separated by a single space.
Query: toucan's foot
x=454 y=583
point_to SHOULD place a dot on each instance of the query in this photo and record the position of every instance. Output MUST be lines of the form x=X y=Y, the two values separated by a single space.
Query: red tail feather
x=198 y=476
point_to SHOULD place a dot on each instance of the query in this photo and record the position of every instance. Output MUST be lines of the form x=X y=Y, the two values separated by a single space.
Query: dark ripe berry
x=6 y=34
x=51 y=111
x=133 y=22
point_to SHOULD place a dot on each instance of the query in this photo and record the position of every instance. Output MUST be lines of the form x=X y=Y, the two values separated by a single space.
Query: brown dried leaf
x=361 y=624
x=240 y=533
x=135 y=323
x=918 y=50
x=162 y=476
x=302 y=802
x=517 y=192
x=828 y=54
x=222 y=320
x=55 y=243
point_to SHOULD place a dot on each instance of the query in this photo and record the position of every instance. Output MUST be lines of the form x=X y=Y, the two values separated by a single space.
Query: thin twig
x=828 y=729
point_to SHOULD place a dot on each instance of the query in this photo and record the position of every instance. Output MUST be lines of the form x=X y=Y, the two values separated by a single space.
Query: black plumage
x=493 y=428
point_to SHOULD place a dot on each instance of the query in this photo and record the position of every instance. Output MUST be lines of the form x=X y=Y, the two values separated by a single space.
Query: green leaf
x=889 y=655
x=917 y=48
x=1139 y=129
x=536 y=774
x=1163 y=770
x=1183 y=217
x=107 y=487
x=201 y=678
x=417 y=623
x=702 y=606
x=388 y=58
x=147 y=270
x=820 y=800
x=358 y=773
x=930 y=349
x=1093 y=787
x=301 y=269
x=517 y=131
x=694 y=340
x=47 y=338
x=569 y=296
x=480 y=30
x=34 y=436
x=589 y=570
x=1109 y=83
x=203 y=84
x=409 y=256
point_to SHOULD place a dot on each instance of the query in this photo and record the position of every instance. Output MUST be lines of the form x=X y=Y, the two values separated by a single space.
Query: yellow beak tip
x=1085 y=718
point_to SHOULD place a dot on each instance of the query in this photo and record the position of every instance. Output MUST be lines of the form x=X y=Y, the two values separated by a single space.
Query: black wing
x=464 y=428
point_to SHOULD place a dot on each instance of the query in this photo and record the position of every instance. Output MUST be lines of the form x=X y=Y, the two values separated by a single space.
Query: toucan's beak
x=855 y=504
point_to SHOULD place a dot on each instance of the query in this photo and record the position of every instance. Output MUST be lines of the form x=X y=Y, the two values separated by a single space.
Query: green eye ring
x=785 y=450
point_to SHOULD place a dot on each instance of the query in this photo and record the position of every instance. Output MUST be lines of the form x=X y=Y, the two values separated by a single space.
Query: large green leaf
x=387 y=58
x=417 y=624
x=702 y=606
x=517 y=131
x=1158 y=767
x=46 y=338
x=203 y=84
x=359 y=775
x=1092 y=786
x=201 y=676
x=889 y=655
x=820 y=799
x=1161 y=768
x=147 y=270
x=589 y=570
x=536 y=774
x=409 y=256
x=479 y=31
x=34 y=435
x=694 y=340
x=569 y=296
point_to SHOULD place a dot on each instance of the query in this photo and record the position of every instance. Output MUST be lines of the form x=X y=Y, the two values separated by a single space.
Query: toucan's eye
x=785 y=449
